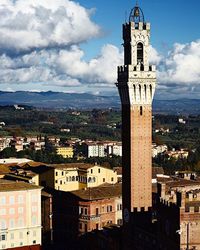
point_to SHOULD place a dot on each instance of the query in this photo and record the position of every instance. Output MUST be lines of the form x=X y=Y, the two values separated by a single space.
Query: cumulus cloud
x=28 y=24
x=62 y=67
x=102 y=69
x=182 y=65
x=154 y=57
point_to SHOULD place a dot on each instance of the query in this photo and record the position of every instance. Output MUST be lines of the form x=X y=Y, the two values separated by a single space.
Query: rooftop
x=6 y=186
x=104 y=191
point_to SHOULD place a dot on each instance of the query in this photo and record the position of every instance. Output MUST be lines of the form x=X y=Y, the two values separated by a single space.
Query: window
x=3 y=211
x=11 y=211
x=56 y=173
x=85 y=211
x=12 y=236
x=76 y=178
x=85 y=227
x=97 y=211
x=94 y=179
x=141 y=110
x=34 y=220
x=81 y=211
x=89 y=179
x=2 y=237
x=20 y=210
x=34 y=241
x=12 y=200
x=3 y=200
x=60 y=182
x=99 y=170
x=103 y=209
x=91 y=171
x=11 y=223
x=2 y=224
x=20 y=222
x=140 y=53
x=112 y=179
x=73 y=178
x=104 y=179
x=34 y=198
x=62 y=173
x=109 y=208
x=97 y=226
x=34 y=209
x=56 y=181
x=20 y=199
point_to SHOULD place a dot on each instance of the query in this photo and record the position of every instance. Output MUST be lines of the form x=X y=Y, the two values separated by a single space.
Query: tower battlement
x=136 y=26
x=138 y=68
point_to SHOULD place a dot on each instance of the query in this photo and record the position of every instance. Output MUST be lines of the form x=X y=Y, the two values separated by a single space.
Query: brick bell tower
x=136 y=85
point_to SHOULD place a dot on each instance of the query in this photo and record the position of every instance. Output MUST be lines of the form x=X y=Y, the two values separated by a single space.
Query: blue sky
x=75 y=46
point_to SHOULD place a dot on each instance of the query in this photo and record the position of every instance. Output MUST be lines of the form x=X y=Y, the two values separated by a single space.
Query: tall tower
x=136 y=85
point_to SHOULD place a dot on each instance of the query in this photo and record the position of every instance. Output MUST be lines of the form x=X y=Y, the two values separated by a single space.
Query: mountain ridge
x=60 y=100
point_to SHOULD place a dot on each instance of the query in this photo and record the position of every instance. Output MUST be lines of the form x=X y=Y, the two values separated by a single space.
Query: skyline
x=44 y=46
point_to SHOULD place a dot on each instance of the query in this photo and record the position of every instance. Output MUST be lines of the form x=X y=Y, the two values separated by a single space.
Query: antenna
x=136 y=4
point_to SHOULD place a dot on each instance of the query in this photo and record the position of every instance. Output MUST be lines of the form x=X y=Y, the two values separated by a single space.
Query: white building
x=158 y=149
x=95 y=150
x=115 y=149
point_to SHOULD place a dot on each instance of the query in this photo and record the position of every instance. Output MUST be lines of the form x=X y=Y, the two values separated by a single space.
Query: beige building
x=65 y=152
x=20 y=215
x=75 y=176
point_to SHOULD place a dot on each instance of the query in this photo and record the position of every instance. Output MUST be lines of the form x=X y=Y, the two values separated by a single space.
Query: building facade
x=20 y=215
x=75 y=176
x=65 y=152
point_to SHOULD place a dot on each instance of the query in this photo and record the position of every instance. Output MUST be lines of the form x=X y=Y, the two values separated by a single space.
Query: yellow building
x=75 y=176
x=66 y=152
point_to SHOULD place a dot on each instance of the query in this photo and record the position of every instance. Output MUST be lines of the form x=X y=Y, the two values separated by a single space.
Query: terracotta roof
x=6 y=186
x=101 y=192
x=72 y=165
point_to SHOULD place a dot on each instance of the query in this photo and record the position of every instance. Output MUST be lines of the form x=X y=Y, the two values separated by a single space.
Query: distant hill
x=58 y=100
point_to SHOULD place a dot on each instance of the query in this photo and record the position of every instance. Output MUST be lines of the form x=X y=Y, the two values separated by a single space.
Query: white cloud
x=154 y=57
x=62 y=67
x=102 y=69
x=29 y=24
x=182 y=65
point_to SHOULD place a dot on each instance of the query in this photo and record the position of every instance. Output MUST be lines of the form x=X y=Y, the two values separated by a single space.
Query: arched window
x=73 y=178
x=140 y=53
x=150 y=91
x=89 y=179
x=70 y=178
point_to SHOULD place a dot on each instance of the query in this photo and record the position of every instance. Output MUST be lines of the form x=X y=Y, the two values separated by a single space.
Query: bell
x=136 y=12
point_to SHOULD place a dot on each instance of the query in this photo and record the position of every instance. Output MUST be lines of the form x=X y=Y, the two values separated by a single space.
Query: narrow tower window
x=150 y=91
x=141 y=110
x=140 y=53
